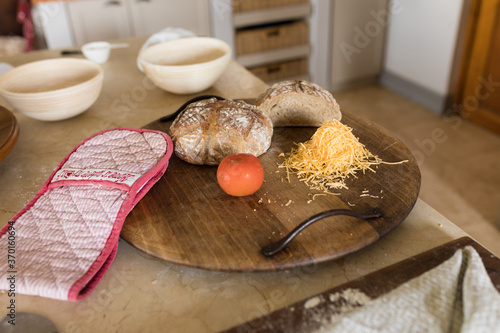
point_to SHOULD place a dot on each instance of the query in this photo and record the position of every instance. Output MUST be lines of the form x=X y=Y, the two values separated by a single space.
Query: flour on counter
x=312 y=302
x=335 y=306
x=352 y=297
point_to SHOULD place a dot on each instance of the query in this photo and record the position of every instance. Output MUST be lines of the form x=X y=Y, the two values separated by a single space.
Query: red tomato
x=240 y=174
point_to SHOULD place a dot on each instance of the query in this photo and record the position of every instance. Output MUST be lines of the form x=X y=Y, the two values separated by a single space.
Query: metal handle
x=276 y=247
x=113 y=3
x=70 y=52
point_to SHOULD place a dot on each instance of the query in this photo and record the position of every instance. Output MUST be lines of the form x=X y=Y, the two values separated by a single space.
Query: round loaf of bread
x=208 y=130
x=298 y=103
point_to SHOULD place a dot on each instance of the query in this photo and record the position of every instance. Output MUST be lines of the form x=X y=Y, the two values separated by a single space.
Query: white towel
x=457 y=296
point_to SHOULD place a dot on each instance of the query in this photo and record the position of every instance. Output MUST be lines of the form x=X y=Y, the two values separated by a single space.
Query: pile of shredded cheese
x=331 y=155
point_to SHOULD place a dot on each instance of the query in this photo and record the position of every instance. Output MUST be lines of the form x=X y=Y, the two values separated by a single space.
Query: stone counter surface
x=140 y=293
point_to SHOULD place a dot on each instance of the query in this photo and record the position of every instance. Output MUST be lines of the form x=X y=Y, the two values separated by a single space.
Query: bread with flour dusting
x=298 y=103
x=208 y=130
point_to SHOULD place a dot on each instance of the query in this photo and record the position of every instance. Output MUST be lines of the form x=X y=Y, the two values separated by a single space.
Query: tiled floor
x=459 y=161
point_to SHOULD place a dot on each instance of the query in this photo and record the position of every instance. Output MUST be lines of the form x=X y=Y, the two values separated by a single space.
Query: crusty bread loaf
x=298 y=103
x=208 y=130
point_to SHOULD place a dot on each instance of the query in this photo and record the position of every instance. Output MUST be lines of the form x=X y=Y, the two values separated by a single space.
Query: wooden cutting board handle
x=9 y=132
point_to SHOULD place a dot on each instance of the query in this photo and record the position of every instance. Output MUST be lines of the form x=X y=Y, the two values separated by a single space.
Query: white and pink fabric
x=67 y=235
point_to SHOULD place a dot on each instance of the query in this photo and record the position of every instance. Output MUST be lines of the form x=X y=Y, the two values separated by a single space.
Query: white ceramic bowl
x=186 y=65
x=53 y=89
x=98 y=52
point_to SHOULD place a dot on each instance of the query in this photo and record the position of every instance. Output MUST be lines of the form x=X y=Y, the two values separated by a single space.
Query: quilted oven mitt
x=67 y=235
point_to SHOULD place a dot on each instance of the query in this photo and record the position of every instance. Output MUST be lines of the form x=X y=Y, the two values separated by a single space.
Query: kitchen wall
x=358 y=39
x=420 y=49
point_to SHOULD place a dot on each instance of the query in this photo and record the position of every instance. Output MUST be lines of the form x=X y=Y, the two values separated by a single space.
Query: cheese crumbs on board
x=331 y=155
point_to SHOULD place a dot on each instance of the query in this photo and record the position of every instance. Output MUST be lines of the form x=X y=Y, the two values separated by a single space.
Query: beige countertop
x=140 y=293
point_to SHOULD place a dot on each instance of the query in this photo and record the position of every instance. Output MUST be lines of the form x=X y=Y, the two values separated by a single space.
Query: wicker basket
x=249 y=5
x=281 y=70
x=270 y=38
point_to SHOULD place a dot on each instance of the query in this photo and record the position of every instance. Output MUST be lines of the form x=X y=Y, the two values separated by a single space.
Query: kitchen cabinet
x=91 y=20
x=477 y=98
x=100 y=20
x=150 y=16
x=344 y=46
x=269 y=37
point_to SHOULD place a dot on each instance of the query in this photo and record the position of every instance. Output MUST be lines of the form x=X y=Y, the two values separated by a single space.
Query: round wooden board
x=9 y=132
x=187 y=219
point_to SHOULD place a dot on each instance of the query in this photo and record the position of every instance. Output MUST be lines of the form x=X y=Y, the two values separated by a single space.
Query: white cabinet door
x=150 y=16
x=94 y=20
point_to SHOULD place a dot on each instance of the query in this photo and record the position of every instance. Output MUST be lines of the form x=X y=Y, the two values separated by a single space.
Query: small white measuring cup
x=99 y=51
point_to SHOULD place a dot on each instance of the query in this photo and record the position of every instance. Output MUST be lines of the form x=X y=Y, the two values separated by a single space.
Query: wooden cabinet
x=476 y=96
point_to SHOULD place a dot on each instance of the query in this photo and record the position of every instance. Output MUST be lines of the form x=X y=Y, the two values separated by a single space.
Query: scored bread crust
x=208 y=130
x=298 y=103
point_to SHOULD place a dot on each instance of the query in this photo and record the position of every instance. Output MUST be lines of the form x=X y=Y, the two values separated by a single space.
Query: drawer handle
x=113 y=3
x=273 y=33
x=273 y=69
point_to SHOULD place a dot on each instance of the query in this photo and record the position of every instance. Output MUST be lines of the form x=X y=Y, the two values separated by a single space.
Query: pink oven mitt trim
x=129 y=185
